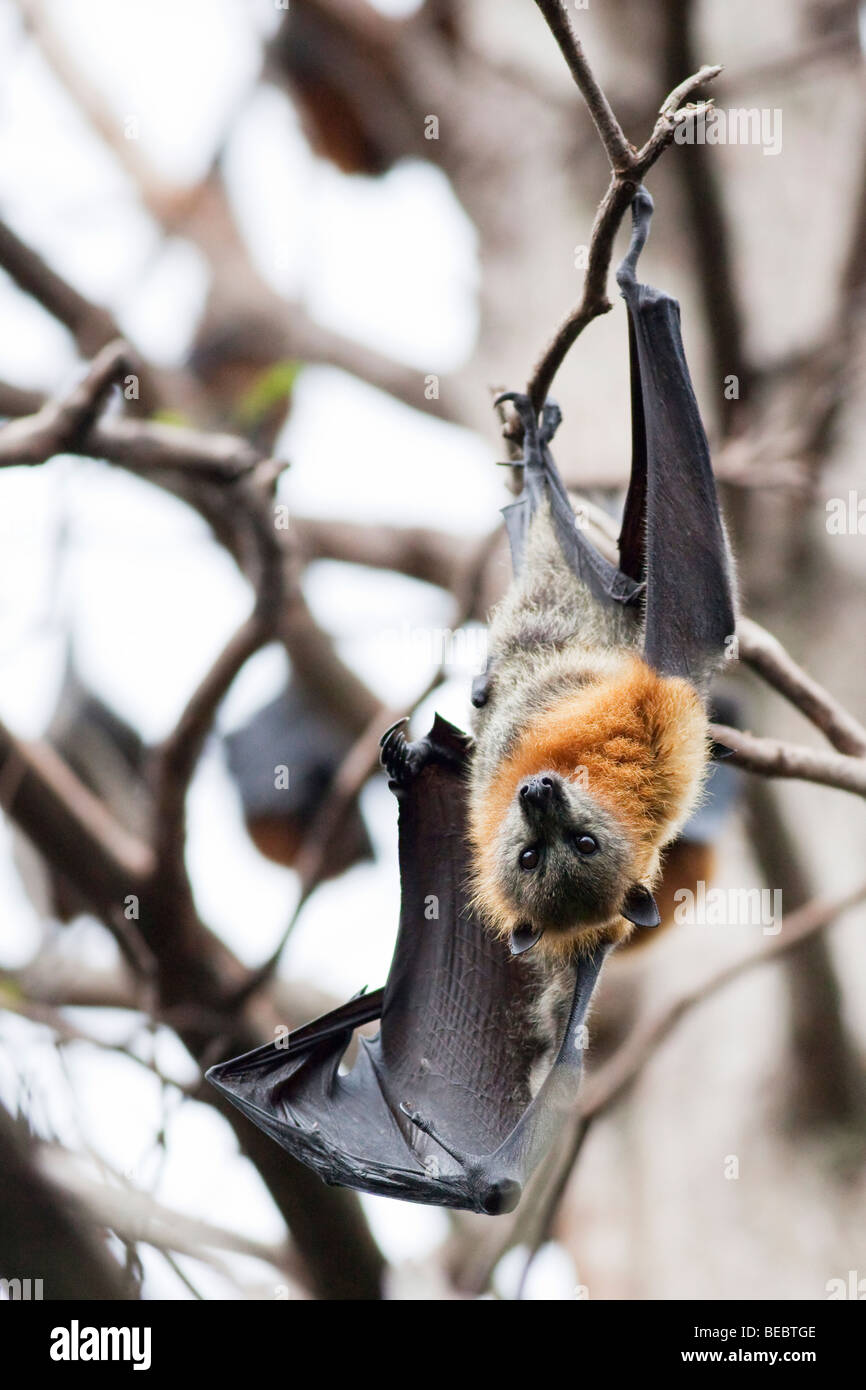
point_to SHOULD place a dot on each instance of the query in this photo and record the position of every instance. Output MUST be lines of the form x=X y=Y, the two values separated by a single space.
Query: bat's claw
x=551 y=418
x=401 y=759
x=525 y=412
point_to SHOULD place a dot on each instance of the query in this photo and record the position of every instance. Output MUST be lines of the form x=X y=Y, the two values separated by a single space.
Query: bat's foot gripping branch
x=641 y=216
x=533 y=435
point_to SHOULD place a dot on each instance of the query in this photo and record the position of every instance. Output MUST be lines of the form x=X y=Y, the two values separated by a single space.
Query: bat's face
x=563 y=867
x=562 y=861
x=570 y=856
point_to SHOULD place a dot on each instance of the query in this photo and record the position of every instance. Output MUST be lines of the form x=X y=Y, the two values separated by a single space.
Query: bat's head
x=562 y=863
x=568 y=830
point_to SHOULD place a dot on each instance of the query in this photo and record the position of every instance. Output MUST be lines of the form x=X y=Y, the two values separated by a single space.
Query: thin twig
x=61 y=425
x=141 y=446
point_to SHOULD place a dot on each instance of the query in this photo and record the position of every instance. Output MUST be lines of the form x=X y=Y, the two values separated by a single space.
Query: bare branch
x=90 y=325
x=18 y=400
x=72 y=829
x=629 y=169
x=619 y=151
x=137 y=1217
x=765 y=654
x=773 y=758
x=60 y=426
x=179 y=755
x=141 y=446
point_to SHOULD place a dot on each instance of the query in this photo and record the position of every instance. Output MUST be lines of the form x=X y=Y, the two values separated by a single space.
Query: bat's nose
x=537 y=791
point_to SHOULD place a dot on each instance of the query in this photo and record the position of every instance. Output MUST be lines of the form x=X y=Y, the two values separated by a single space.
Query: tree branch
x=629 y=168
x=773 y=758
x=619 y=151
x=765 y=654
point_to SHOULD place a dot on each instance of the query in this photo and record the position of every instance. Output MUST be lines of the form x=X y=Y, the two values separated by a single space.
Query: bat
x=291 y=732
x=592 y=735
x=460 y=1094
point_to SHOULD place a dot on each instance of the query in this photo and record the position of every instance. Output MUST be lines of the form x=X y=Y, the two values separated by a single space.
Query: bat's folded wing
x=437 y=1107
x=672 y=534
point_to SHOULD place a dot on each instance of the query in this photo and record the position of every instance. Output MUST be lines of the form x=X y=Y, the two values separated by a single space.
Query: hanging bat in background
x=292 y=731
x=464 y=1089
x=342 y=66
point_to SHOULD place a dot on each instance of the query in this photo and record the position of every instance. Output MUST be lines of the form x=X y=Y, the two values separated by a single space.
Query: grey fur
x=548 y=636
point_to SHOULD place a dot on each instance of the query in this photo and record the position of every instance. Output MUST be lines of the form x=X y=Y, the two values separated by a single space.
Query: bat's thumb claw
x=393 y=753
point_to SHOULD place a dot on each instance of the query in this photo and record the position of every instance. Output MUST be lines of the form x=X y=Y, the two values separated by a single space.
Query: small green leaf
x=274 y=385
x=166 y=416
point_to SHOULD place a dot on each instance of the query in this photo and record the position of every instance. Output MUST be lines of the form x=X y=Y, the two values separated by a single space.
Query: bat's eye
x=528 y=859
x=586 y=844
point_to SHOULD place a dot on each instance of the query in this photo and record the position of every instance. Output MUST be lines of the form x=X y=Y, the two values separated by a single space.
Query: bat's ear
x=640 y=907
x=523 y=938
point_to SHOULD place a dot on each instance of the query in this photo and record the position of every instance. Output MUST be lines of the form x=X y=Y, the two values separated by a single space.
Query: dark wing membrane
x=456 y=1039
x=672 y=531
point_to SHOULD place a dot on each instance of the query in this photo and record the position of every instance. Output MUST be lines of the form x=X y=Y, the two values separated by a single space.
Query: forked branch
x=628 y=169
